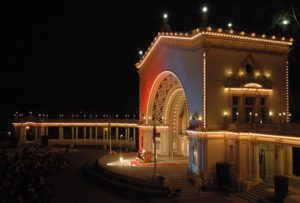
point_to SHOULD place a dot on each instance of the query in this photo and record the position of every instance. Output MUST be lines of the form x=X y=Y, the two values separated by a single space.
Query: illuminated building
x=219 y=96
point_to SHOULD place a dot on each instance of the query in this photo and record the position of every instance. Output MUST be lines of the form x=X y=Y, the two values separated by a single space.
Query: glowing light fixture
x=140 y=52
x=229 y=25
x=204 y=9
x=285 y=22
x=165 y=16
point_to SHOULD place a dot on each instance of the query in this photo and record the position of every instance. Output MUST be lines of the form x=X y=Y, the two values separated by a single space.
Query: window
x=248 y=68
x=235 y=104
x=249 y=104
x=296 y=161
x=67 y=132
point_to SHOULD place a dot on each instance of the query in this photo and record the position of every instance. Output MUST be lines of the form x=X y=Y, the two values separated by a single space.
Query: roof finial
x=166 y=26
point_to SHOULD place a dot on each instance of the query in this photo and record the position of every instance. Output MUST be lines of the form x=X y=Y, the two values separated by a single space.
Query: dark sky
x=79 y=57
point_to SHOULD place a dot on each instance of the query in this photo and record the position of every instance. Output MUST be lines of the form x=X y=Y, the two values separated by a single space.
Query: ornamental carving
x=248 y=71
x=160 y=97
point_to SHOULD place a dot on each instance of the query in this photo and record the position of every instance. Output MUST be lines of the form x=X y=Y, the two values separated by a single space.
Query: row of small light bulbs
x=242 y=73
x=219 y=30
x=17 y=114
x=225 y=113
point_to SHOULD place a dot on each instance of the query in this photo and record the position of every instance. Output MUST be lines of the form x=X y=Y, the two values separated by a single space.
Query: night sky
x=80 y=58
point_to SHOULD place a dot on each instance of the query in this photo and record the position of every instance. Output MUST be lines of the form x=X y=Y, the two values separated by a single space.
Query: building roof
x=177 y=38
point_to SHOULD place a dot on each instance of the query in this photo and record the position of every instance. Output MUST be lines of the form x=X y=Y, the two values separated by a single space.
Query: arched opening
x=167 y=106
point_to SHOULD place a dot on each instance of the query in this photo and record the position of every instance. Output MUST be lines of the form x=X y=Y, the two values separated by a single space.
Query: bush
x=222 y=173
x=281 y=184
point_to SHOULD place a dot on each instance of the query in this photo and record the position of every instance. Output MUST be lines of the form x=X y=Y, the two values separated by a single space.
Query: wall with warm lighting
x=184 y=63
x=223 y=61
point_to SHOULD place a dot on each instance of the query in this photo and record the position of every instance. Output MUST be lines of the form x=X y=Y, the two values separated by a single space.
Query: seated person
x=139 y=156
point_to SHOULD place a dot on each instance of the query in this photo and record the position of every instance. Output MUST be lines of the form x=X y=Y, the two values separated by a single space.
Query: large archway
x=167 y=107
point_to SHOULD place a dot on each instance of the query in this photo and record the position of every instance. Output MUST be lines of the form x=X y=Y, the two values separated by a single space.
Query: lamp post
x=121 y=136
x=121 y=158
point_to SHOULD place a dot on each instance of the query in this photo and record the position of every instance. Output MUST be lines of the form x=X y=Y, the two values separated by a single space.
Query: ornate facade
x=219 y=96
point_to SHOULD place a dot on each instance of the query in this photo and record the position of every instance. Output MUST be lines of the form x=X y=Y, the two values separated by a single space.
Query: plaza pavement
x=170 y=167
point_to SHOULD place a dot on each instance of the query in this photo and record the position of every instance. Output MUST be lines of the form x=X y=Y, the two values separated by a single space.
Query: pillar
x=96 y=133
x=72 y=132
x=256 y=169
x=46 y=128
x=76 y=132
x=117 y=133
x=91 y=132
x=279 y=159
x=289 y=160
x=104 y=133
x=134 y=131
x=126 y=133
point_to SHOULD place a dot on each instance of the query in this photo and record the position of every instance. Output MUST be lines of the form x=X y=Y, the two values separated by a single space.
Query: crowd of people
x=24 y=175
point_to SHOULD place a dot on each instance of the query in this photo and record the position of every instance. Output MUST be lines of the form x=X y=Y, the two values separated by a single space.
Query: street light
x=121 y=158
x=121 y=136
x=229 y=25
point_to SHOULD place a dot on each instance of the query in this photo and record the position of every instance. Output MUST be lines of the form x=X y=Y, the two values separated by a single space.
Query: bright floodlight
x=204 y=9
x=165 y=16
x=285 y=22
x=229 y=25
x=140 y=52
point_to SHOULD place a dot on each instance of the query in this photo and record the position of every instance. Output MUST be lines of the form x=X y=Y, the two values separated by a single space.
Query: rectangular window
x=235 y=108
x=249 y=101
x=262 y=101
x=296 y=161
x=67 y=132
x=235 y=100
x=234 y=114
x=249 y=106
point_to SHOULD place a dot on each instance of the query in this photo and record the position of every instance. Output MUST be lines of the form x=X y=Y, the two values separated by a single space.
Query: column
x=61 y=133
x=76 y=132
x=72 y=132
x=46 y=130
x=289 y=160
x=96 y=133
x=134 y=129
x=279 y=159
x=117 y=133
x=256 y=169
